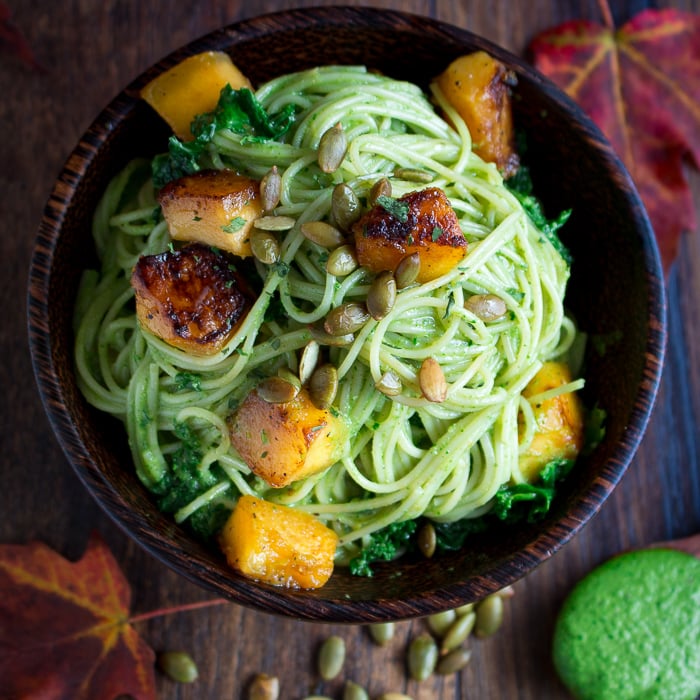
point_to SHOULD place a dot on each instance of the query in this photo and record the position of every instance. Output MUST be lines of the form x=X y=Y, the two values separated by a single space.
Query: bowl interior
x=572 y=168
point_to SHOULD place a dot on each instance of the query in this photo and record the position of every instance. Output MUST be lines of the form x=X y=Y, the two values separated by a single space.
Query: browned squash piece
x=192 y=87
x=192 y=298
x=560 y=422
x=478 y=87
x=216 y=207
x=420 y=222
x=278 y=545
x=284 y=442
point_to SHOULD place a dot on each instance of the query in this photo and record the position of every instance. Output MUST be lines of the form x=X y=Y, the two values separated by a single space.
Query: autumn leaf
x=12 y=38
x=641 y=85
x=64 y=627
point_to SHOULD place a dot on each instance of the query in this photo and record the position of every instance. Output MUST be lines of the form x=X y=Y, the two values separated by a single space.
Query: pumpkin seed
x=394 y=696
x=323 y=386
x=346 y=318
x=389 y=384
x=382 y=295
x=324 y=338
x=277 y=390
x=270 y=189
x=421 y=657
x=265 y=246
x=506 y=592
x=179 y=666
x=427 y=540
x=323 y=234
x=413 y=175
x=342 y=261
x=345 y=206
x=317 y=697
x=407 y=270
x=264 y=687
x=289 y=376
x=332 y=148
x=440 y=622
x=463 y=610
x=381 y=188
x=458 y=632
x=353 y=691
x=382 y=632
x=331 y=657
x=432 y=380
x=453 y=662
x=487 y=307
x=274 y=223
x=489 y=615
x=308 y=361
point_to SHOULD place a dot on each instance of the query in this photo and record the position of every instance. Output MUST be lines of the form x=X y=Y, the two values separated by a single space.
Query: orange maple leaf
x=64 y=627
x=641 y=85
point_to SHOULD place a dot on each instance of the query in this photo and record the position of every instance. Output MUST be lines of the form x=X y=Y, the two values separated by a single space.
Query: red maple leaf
x=64 y=627
x=641 y=85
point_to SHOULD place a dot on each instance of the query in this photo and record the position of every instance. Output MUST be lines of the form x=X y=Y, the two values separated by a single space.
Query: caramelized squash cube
x=278 y=545
x=560 y=421
x=420 y=222
x=285 y=442
x=191 y=298
x=478 y=87
x=216 y=207
x=192 y=87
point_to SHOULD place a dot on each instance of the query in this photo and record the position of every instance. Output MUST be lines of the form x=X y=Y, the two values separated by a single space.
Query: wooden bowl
x=616 y=292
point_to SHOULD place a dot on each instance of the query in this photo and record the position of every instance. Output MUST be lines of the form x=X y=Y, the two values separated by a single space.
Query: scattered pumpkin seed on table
x=354 y=691
x=458 y=632
x=421 y=657
x=264 y=687
x=440 y=622
x=489 y=615
x=453 y=662
x=331 y=657
x=179 y=666
x=382 y=632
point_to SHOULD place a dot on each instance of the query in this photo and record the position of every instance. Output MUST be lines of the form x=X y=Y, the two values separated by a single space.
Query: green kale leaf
x=238 y=111
x=521 y=186
x=385 y=544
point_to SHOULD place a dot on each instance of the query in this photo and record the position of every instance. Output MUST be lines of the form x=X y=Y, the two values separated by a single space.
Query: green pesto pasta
x=407 y=457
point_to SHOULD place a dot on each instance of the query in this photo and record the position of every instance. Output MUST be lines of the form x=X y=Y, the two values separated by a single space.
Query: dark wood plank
x=90 y=51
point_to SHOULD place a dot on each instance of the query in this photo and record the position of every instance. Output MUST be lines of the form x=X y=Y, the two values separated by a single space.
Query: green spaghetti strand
x=406 y=457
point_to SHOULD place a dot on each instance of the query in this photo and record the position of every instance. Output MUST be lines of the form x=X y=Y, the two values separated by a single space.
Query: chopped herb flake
x=395 y=207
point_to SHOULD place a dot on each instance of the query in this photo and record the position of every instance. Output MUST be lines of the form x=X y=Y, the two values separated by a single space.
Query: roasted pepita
x=457 y=633
x=389 y=384
x=487 y=307
x=341 y=261
x=353 y=691
x=382 y=632
x=382 y=295
x=331 y=657
x=440 y=622
x=274 y=223
x=264 y=246
x=308 y=361
x=179 y=666
x=381 y=188
x=413 y=175
x=323 y=385
x=346 y=318
x=323 y=234
x=427 y=540
x=407 y=270
x=277 y=390
x=332 y=148
x=432 y=380
x=489 y=615
x=345 y=206
x=453 y=662
x=270 y=189
x=422 y=657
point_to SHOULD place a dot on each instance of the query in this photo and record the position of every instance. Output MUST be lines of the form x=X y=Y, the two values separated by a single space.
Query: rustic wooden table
x=90 y=50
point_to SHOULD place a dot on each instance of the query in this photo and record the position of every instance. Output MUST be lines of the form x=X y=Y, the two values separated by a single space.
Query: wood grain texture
x=90 y=51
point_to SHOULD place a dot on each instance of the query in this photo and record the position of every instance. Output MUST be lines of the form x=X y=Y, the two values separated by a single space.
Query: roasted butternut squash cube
x=278 y=545
x=216 y=207
x=478 y=87
x=285 y=442
x=560 y=421
x=420 y=222
x=192 y=87
x=191 y=298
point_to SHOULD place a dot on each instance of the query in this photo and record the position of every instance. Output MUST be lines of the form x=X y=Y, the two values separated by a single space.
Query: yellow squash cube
x=278 y=545
x=477 y=86
x=192 y=87
x=285 y=442
x=560 y=421
x=214 y=207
